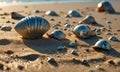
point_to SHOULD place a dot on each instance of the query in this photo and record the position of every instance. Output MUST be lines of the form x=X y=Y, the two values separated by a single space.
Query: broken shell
x=113 y=38
x=51 y=13
x=73 y=13
x=6 y=28
x=102 y=44
x=88 y=20
x=83 y=31
x=15 y=15
x=105 y=6
x=57 y=34
x=32 y=27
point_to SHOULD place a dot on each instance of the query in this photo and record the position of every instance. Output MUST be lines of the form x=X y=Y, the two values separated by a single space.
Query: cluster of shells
x=33 y=27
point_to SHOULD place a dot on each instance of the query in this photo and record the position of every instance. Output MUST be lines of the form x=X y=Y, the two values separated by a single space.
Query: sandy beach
x=23 y=55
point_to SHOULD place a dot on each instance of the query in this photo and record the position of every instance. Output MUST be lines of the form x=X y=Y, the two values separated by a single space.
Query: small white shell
x=105 y=6
x=51 y=13
x=58 y=34
x=83 y=31
x=102 y=44
x=74 y=13
x=88 y=20
x=32 y=27
x=15 y=15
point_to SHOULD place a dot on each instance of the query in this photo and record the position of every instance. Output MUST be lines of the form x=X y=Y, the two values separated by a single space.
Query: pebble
x=20 y=67
x=72 y=44
x=67 y=26
x=98 y=31
x=37 y=11
x=108 y=22
x=51 y=59
x=6 y=28
x=113 y=38
x=74 y=52
x=9 y=52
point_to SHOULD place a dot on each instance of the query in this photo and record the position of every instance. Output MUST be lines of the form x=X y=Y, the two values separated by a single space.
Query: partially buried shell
x=15 y=15
x=105 y=6
x=83 y=31
x=57 y=34
x=73 y=13
x=51 y=13
x=88 y=20
x=32 y=27
x=103 y=44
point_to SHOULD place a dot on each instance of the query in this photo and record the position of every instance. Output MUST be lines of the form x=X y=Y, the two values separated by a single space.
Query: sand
x=21 y=55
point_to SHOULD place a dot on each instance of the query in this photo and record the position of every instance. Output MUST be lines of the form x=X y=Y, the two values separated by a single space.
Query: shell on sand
x=102 y=44
x=88 y=20
x=32 y=27
x=83 y=31
x=105 y=6
x=51 y=13
x=57 y=34
x=113 y=38
x=73 y=13
x=15 y=15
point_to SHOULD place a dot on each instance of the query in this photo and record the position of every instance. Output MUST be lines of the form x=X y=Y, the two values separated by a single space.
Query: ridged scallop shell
x=88 y=20
x=102 y=44
x=83 y=31
x=32 y=27
x=58 y=34
x=74 y=13
x=51 y=13
x=105 y=6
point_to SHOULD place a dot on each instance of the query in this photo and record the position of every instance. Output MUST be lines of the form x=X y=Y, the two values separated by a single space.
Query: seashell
x=5 y=28
x=83 y=31
x=73 y=13
x=67 y=26
x=113 y=38
x=51 y=13
x=88 y=20
x=105 y=6
x=103 y=44
x=74 y=52
x=57 y=34
x=32 y=27
x=15 y=15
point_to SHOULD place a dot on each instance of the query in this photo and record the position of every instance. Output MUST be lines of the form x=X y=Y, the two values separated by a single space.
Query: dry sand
x=20 y=55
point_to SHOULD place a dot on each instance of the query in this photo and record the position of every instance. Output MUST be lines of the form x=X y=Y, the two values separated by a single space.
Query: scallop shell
x=51 y=13
x=88 y=20
x=105 y=6
x=83 y=31
x=32 y=27
x=102 y=44
x=58 y=34
x=15 y=15
x=73 y=13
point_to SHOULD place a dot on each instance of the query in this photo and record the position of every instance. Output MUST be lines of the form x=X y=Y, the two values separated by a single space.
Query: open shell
x=57 y=34
x=102 y=44
x=83 y=31
x=88 y=20
x=105 y=6
x=32 y=27
x=51 y=13
x=73 y=13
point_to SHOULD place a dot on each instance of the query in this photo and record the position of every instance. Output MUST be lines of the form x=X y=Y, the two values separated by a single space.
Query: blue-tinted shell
x=32 y=27
x=51 y=13
x=74 y=13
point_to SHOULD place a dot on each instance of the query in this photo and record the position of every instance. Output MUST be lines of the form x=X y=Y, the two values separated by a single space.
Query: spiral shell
x=73 y=13
x=83 y=31
x=105 y=6
x=51 y=13
x=32 y=27
x=88 y=20
x=58 y=34
x=102 y=44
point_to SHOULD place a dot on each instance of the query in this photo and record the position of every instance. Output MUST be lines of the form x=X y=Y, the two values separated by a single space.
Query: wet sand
x=17 y=54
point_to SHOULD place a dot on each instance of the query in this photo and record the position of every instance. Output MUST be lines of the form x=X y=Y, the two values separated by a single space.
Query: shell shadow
x=91 y=40
x=4 y=42
x=116 y=13
x=46 y=45
x=111 y=52
x=98 y=25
